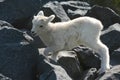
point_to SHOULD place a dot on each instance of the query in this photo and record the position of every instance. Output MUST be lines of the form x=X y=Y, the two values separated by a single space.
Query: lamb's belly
x=70 y=45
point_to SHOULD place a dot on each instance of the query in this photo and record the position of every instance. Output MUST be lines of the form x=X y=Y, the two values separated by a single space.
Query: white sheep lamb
x=67 y=35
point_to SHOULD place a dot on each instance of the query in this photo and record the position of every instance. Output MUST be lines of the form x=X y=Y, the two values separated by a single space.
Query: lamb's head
x=40 y=22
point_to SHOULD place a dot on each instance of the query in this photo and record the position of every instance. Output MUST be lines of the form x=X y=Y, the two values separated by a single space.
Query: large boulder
x=111 y=37
x=18 y=58
x=106 y=15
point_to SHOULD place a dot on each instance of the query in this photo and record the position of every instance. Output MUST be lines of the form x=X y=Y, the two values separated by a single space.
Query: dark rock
x=111 y=37
x=106 y=15
x=18 y=58
x=115 y=57
x=112 y=74
x=50 y=70
x=68 y=60
x=2 y=77
x=87 y=57
x=54 y=7
x=18 y=12
x=37 y=42
x=75 y=9
x=4 y=23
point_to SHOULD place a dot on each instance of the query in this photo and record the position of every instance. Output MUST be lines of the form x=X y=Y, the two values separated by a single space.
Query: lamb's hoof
x=47 y=54
x=54 y=58
x=102 y=71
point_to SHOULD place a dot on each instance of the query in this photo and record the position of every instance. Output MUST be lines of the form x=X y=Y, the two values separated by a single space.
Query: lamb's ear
x=41 y=13
x=50 y=18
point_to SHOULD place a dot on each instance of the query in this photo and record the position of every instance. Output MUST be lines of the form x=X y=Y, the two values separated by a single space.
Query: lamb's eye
x=41 y=26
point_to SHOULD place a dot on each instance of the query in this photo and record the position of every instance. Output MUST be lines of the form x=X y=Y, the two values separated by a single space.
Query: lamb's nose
x=32 y=32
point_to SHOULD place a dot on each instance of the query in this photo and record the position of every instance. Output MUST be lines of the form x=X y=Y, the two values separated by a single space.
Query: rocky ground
x=21 y=54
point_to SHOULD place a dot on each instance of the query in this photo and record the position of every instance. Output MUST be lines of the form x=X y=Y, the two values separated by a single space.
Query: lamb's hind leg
x=103 y=51
x=105 y=58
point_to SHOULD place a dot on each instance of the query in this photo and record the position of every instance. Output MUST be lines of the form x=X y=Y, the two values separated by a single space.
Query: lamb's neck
x=51 y=24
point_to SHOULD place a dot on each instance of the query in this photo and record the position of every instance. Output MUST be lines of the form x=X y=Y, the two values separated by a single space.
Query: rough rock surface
x=17 y=57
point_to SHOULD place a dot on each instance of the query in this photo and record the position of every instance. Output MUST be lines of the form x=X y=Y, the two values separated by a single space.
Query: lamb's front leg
x=48 y=51
x=103 y=51
x=53 y=51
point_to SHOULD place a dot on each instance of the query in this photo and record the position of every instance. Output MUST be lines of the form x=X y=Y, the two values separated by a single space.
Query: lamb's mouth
x=34 y=34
